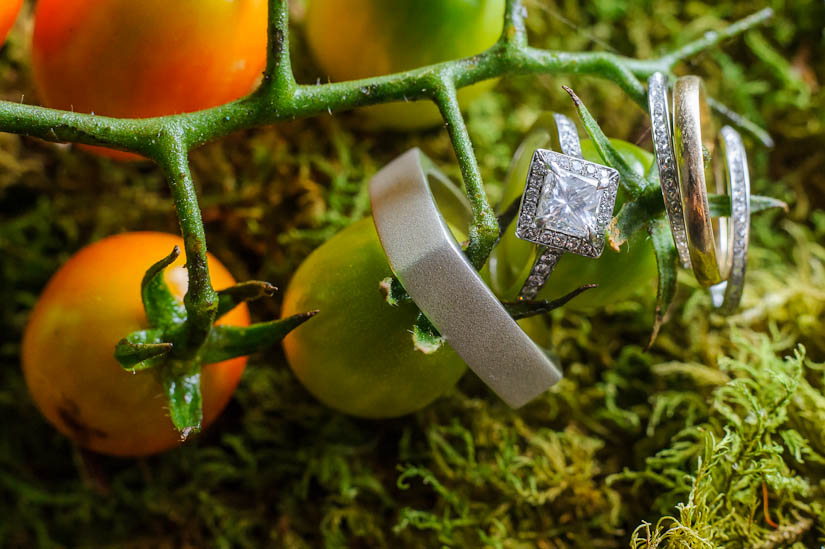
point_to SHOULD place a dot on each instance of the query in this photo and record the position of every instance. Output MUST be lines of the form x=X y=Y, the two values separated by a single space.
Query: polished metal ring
x=726 y=295
x=566 y=205
x=694 y=143
x=435 y=272
x=666 y=161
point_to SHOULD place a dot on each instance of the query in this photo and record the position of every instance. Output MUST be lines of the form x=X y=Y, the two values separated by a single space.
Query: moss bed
x=713 y=438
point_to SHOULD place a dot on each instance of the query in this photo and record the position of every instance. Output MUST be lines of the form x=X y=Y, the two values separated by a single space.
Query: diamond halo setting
x=567 y=204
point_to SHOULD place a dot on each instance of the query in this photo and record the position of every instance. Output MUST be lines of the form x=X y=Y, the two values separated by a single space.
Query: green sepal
x=227 y=342
x=525 y=309
x=425 y=336
x=631 y=181
x=182 y=383
x=720 y=204
x=393 y=292
x=667 y=260
x=251 y=290
x=633 y=216
x=162 y=309
x=142 y=350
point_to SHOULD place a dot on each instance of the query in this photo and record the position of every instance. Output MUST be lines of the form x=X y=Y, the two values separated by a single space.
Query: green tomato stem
x=278 y=76
x=280 y=98
x=484 y=229
x=514 y=34
x=201 y=300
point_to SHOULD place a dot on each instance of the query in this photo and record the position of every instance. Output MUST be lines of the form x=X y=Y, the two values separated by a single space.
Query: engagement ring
x=566 y=206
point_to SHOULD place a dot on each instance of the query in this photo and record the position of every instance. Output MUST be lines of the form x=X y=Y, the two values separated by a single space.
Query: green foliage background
x=718 y=415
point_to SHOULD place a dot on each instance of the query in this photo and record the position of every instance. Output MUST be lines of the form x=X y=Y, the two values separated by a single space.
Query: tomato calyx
x=426 y=337
x=167 y=348
x=142 y=350
x=226 y=342
x=250 y=290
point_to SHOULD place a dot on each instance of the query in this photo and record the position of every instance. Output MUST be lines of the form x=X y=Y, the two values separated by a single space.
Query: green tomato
x=364 y=38
x=357 y=354
x=618 y=274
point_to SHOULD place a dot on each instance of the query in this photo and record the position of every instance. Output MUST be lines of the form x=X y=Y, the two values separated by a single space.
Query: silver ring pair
x=714 y=248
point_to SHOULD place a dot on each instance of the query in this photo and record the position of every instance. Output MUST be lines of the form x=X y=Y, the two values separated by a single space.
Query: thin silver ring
x=435 y=272
x=727 y=295
x=666 y=160
x=555 y=240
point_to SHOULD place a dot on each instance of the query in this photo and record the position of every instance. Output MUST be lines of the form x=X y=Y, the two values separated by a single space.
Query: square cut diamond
x=567 y=203
x=570 y=201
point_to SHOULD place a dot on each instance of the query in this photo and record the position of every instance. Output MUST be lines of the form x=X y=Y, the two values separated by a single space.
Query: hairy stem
x=201 y=300
x=484 y=229
x=278 y=76
x=509 y=57
x=514 y=33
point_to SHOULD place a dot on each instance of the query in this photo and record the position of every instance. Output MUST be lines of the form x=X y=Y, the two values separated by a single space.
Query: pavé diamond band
x=726 y=295
x=566 y=205
x=666 y=161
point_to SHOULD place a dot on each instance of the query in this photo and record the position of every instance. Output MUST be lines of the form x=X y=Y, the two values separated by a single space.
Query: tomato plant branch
x=280 y=98
x=484 y=229
x=201 y=300
x=514 y=33
x=278 y=77
x=510 y=56
x=168 y=139
x=711 y=38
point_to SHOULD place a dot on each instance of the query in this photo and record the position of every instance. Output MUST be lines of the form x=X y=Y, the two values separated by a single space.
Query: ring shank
x=666 y=162
x=567 y=140
x=435 y=272
x=727 y=295
x=691 y=119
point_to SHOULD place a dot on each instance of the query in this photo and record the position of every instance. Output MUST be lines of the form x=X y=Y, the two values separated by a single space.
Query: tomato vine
x=168 y=139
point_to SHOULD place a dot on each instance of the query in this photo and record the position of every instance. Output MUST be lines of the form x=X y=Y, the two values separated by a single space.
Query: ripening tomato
x=618 y=274
x=363 y=38
x=8 y=14
x=68 y=348
x=139 y=59
x=357 y=355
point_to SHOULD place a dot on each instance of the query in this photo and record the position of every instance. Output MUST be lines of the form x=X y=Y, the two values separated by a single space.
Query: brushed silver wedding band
x=438 y=276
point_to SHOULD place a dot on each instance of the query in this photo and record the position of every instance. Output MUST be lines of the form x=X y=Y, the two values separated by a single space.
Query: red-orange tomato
x=8 y=14
x=68 y=348
x=138 y=59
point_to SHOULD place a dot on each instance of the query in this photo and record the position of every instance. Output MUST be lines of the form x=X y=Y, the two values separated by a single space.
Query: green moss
x=689 y=430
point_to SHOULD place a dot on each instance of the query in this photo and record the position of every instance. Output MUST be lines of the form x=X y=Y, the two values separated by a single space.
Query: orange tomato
x=68 y=348
x=139 y=59
x=8 y=14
